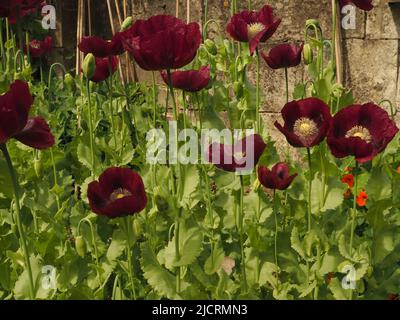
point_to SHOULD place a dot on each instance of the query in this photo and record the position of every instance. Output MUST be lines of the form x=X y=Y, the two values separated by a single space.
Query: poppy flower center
x=359 y=132
x=119 y=193
x=35 y=45
x=254 y=28
x=306 y=129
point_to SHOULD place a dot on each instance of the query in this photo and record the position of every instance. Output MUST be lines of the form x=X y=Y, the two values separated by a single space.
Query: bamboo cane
x=338 y=52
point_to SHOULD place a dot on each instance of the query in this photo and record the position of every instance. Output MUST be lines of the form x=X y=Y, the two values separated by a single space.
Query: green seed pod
x=308 y=54
x=69 y=82
x=211 y=47
x=37 y=165
x=127 y=23
x=137 y=228
x=89 y=66
x=80 y=246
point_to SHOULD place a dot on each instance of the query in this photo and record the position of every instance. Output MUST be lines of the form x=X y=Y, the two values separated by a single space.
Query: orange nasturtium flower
x=348 y=179
x=362 y=199
x=398 y=169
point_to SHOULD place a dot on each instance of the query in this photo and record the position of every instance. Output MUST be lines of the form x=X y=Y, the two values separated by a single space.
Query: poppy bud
x=211 y=47
x=37 y=165
x=127 y=23
x=89 y=66
x=80 y=246
x=308 y=55
x=69 y=82
x=137 y=228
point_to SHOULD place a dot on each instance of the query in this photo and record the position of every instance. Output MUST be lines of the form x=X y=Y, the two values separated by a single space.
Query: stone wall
x=370 y=51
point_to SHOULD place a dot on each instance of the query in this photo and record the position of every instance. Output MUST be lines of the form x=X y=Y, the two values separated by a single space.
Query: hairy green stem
x=276 y=228
x=127 y=224
x=309 y=188
x=91 y=137
x=241 y=235
x=20 y=227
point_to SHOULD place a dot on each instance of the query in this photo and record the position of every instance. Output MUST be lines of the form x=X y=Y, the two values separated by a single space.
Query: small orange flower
x=348 y=194
x=348 y=179
x=362 y=199
x=398 y=169
x=348 y=169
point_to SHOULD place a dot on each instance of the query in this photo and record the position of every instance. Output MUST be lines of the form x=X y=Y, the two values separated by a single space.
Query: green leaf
x=161 y=280
x=296 y=243
x=268 y=274
x=213 y=262
x=337 y=290
x=190 y=247
x=379 y=184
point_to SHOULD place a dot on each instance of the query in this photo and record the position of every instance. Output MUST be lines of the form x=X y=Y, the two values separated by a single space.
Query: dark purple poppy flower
x=361 y=131
x=162 y=42
x=276 y=178
x=191 y=80
x=14 y=122
x=244 y=155
x=17 y=9
x=40 y=48
x=103 y=68
x=118 y=193
x=283 y=56
x=253 y=26
x=365 y=5
x=307 y=122
x=101 y=48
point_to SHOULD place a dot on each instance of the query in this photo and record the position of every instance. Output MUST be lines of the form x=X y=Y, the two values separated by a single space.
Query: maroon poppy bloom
x=365 y=5
x=253 y=26
x=307 y=122
x=276 y=178
x=40 y=48
x=101 y=48
x=118 y=193
x=162 y=42
x=103 y=66
x=283 y=56
x=17 y=9
x=14 y=122
x=361 y=131
x=244 y=155
x=191 y=80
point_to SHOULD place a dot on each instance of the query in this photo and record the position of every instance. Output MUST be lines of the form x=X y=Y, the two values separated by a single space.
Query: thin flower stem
x=258 y=116
x=110 y=96
x=276 y=228
x=53 y=163
x=91 y=138
x=94 y=244
x=20 y=228
x=179 y=189
x=126 y=222
x=354 y=212
x=353 y=219
x=241 y=218
x=287 y=84
x=309 y=188
x=154 y=100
